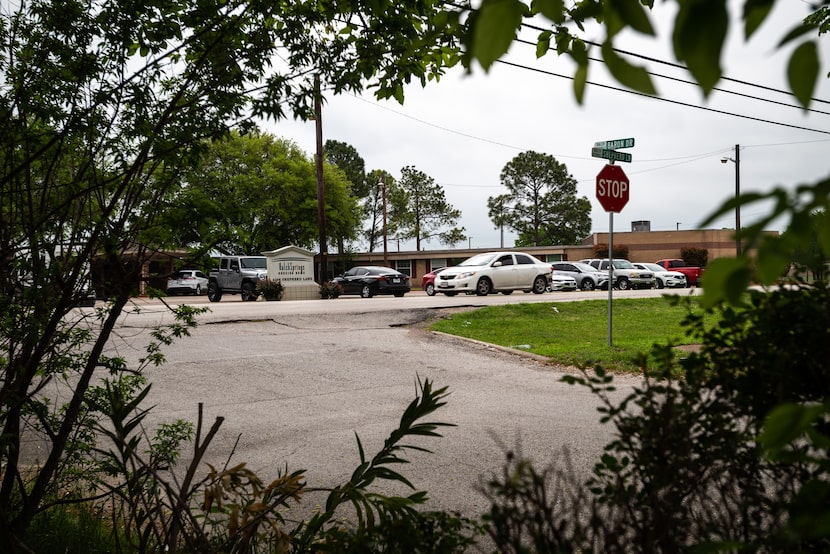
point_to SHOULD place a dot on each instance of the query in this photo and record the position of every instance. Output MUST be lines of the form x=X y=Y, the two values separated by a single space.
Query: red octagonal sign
x=612 y=188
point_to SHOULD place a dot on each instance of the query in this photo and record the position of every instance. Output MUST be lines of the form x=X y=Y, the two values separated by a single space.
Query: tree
x=378 y=182
x=253 y=193
x=420 y=209
x=104 y=107
x=541 y=204
x=345 y=157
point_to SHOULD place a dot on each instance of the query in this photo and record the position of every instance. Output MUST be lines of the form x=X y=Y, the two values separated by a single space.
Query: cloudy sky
x=464 y=129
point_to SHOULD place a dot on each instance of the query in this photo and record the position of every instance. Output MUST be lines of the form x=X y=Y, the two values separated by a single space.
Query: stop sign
x=612 y=188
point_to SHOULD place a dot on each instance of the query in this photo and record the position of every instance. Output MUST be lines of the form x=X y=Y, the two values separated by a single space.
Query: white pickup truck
x=237 y=275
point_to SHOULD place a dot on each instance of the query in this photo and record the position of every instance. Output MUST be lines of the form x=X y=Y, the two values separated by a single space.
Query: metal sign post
x=610 y=276
x=612 y=193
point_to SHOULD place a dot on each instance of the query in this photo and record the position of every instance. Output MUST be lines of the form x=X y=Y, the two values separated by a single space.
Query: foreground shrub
x=156 y=506
x=688 y=471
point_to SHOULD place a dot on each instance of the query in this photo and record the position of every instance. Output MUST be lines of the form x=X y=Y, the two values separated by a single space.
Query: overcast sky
x=464 y=129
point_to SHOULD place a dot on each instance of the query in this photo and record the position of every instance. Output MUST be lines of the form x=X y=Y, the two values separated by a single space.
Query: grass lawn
x=576 y=333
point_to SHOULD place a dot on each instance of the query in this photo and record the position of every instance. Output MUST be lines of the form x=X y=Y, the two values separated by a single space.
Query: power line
x=719 y=89
x=677 y=102
x=672 y=64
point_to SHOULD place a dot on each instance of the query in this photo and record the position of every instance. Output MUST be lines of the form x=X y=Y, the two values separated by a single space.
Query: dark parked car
x=428 y=281
x=369 y=280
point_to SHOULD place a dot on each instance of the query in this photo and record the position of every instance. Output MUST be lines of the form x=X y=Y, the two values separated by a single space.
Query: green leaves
x=726 y=279
x=632 y=76
x=370 y=507
x=552 y=9
x=699 y=33
x=495 y=28
x=802 y=71
x=755 y=12
x=630 y=13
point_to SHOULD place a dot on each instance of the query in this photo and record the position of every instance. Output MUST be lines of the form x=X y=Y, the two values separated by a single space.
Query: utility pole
x=737 y=161
x=738 y=199
x=321 y=191
x=385 y=248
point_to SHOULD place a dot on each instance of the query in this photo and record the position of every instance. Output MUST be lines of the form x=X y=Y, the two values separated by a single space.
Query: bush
x=620 y=251
x=270 y=289
x=732 y=457
x=695 y=257
x=330 y=289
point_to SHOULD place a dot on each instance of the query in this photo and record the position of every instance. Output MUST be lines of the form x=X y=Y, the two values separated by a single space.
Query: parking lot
x=296 y=381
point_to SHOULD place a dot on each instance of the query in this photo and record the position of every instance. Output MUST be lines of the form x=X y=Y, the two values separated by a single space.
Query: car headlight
x=466 y=274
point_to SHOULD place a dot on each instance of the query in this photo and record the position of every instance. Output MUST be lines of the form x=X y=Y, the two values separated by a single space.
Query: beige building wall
x=643 y=246
x=649 y=246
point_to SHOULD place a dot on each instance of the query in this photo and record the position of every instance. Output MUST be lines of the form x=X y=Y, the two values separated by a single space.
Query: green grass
x=576 y=333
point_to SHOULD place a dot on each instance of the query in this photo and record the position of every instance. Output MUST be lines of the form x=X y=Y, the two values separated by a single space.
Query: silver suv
x=237 y=275
x=587 y=277
x=625 y=275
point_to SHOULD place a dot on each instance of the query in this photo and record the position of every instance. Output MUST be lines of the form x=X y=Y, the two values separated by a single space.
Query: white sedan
x=561 y=282
x=492 y=272
x=663 y=277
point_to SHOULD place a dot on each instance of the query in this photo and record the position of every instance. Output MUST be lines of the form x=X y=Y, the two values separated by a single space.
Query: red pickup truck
x=692 y=273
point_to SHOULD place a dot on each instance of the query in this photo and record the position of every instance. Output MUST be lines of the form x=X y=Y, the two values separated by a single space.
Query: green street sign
x=615 y=144
x=612 y=155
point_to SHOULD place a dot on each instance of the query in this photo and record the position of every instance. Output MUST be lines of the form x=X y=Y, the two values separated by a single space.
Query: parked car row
x=483 y=274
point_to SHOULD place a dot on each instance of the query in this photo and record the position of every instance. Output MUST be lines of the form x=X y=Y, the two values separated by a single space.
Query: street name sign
x=613 y=155
x=615 y=144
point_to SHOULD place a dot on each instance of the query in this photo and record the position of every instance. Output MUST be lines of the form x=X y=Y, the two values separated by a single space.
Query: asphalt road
x=296 y=381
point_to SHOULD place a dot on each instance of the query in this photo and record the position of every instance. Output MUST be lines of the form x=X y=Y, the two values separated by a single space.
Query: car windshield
x=653 y=267
x=623 y=264
x=253 y=263
x=478 y=259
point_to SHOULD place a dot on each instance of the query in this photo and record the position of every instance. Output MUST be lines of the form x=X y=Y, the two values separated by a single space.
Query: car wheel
x=214 y=292
x=430 y=290
x=366 y=291
x=587 y=284
x=506 y=292
x=540 y=284
x=660 y=284
x=686 y=278
x=623 y=284
x=248 y=293
x=198 y=290
x=484 y=287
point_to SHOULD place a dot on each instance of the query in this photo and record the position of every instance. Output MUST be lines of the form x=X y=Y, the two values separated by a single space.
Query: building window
x=437 y=263
x=404 y=266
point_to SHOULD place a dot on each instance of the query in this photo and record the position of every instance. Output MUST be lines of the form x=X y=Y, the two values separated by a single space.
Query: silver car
x=587 y=277
x=491 y=272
